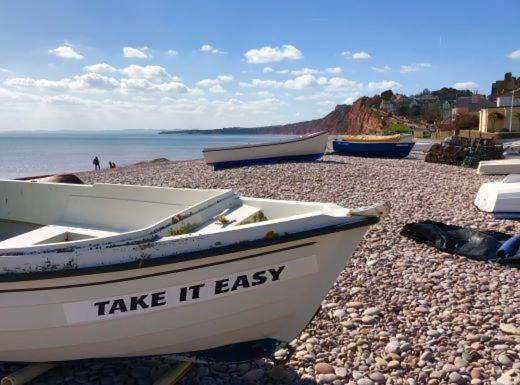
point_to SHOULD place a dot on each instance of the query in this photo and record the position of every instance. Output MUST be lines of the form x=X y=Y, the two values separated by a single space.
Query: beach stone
x=371 y=311
x=323 y=368
x=426 y=355
x=393 y=347
x=339 y=314
x=378 y=377
x=340 y=372
x=476 y=373
x=509 y=328
x=278 y=373
x=326 y=378
x=437 y=374
x=456 y=378
x=243 y=368
x=254 y=375
x=504 y=359
x=354 y=304
x=365 y=381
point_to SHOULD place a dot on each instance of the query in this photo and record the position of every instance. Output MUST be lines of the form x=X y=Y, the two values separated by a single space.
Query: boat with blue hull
x=394 y=146
x=304 y=148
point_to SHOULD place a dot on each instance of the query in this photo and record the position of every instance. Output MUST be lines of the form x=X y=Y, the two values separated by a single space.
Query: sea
x=43 y=153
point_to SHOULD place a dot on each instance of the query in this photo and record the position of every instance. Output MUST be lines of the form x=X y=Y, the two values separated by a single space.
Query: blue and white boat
x=391 y=146
x=303 y=148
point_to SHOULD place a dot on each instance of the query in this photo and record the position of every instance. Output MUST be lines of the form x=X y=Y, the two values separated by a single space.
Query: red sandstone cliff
x=344 y=119
x=354 y=119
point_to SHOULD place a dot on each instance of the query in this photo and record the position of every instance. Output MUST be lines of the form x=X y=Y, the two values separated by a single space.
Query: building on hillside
x=474 y=102
x=446 y=110
x=427 y=100
x=501 y=87
x=507 y=99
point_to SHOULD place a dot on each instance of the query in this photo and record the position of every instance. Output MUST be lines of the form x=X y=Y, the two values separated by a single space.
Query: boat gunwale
x=10 y=277
x=264 y=144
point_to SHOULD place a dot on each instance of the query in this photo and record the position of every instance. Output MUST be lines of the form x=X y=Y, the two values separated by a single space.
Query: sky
x=103 y=65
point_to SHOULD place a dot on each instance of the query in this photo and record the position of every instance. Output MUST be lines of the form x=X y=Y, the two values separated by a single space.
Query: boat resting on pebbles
x=100 y=271
x=500 y=198
x=499 y=167
x=380 y=146
x=304 y=148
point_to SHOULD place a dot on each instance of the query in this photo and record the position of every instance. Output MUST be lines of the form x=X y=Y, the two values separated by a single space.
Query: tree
x=387 y=95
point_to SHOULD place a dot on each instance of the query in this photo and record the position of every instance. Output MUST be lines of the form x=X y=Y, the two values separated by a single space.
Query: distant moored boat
x=306 y=147
x=381 y=146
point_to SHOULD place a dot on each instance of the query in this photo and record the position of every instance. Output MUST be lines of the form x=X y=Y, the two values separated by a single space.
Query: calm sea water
x=47 y=153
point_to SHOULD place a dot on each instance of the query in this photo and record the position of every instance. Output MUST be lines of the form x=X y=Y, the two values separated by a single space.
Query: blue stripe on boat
x=378 y=150
x=276 y=159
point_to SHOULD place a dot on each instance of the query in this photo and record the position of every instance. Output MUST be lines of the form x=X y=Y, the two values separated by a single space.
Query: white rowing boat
x=499 y=167
x=304 y=148
x=500 y=198
x=89 y=271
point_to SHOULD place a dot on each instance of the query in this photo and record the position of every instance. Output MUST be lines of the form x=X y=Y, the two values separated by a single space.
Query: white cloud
x=342 y=84
x=261 y=84
x=305 y=71
x=4 y=71
x=264 y=93
x=213 y=82
x=383 y=85
x=269 y=54
x=465 y=85
x=414 y=67
x=210 y=49
x=334 y=70
x=514 y=54
x=217 y=89
x=150 y=72
x=171 y=52
x=100 y=68
x=66 y=52
x=382 y=69
x=304 y=81
x=362 y=55
x=90 y=81
x=267 y=70
x=140 y=53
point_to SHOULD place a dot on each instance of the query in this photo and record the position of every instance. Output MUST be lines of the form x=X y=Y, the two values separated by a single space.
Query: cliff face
x=361 y=120
x=344 y=119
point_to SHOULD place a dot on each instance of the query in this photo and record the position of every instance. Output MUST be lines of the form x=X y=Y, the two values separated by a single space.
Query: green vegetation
x=450 y=94
x=396 y=128
x=258 y=217
x=387 y=95
x=184 y=229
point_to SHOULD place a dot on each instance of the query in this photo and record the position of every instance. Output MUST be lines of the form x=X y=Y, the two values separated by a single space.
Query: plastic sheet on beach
x=474 y=244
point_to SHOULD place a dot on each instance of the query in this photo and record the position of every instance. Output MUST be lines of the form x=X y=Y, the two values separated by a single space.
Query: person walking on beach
x=96 y=164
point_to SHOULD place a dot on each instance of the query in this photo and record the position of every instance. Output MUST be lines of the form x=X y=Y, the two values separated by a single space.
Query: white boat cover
x=499 y=167
x=499 y=198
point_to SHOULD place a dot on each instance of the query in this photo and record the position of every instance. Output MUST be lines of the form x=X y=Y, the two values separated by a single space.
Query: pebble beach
x=400 y=313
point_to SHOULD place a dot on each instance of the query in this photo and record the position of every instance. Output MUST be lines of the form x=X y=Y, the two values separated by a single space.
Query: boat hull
x=499 y=167
x=306 y=148
x=248 y=303
x=375 y=149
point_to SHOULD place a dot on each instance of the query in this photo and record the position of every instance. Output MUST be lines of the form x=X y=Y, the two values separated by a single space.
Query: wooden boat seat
x=53 y=234
x=232 y=217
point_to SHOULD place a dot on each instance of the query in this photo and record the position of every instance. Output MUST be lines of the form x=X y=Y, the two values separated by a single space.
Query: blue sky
x=95 y=65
